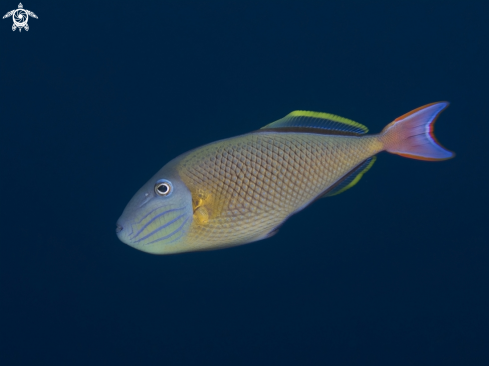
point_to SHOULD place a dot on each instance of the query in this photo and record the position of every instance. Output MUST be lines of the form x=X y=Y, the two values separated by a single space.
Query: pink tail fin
x=412 y=135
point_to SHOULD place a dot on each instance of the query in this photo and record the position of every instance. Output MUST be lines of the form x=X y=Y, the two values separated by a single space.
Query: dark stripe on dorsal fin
x=316 y=122
x=308 y=130
x=350 y=179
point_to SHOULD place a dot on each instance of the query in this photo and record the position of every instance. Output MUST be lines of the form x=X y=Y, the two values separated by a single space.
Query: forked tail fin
x=412 y=135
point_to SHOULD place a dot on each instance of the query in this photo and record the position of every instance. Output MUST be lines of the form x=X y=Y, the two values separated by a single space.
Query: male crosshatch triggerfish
x=240 y=190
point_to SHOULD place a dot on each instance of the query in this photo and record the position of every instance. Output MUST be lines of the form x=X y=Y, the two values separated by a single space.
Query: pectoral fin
x=201 y=216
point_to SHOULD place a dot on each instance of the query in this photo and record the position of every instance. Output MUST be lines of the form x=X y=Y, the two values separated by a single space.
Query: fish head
x=157 y=219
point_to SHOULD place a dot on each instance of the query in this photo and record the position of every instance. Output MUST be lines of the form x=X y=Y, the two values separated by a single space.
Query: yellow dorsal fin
x=306 y=121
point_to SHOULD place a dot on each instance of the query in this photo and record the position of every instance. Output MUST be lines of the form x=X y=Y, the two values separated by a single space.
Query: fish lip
x=118 y=228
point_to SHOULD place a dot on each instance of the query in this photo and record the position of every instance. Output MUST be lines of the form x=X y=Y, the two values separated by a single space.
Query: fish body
x=240 y=190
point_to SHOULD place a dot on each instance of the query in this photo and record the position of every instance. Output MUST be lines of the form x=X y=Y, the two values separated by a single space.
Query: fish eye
x=163 y=187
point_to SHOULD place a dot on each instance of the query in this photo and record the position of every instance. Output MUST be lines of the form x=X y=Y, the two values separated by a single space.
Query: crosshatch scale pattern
x=246 y=186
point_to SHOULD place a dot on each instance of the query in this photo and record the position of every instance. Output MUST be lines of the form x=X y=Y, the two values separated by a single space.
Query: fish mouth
x=118 y=228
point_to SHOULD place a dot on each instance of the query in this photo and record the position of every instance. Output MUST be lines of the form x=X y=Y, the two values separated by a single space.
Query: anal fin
x=350 y=179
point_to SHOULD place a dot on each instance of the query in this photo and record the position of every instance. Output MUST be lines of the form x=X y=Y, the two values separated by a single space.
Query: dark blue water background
x=98 y=95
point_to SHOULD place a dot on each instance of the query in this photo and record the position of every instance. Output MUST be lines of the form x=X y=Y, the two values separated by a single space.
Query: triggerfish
x=242 y=189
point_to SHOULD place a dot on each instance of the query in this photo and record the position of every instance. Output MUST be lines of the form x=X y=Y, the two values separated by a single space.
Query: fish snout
x=122 y=231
